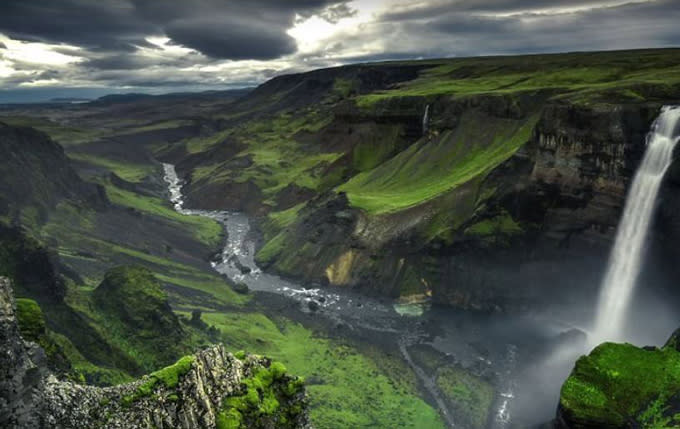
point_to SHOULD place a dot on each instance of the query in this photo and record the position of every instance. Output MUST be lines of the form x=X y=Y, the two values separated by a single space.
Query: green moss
x=347 y=388
x=617 y=382
x=30 y=319
x=132 y=310
x=502 y=224
x=263 y=396
x=470 y=396
x=168 y=378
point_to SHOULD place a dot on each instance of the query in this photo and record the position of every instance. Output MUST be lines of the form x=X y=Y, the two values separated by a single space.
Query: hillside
x=490 y=187
x=529 y=153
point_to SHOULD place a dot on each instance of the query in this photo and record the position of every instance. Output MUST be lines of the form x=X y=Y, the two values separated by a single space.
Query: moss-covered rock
x=30 y=318
x=198 y=391
x=135 y=312
x=268 y=399
x=620 y=385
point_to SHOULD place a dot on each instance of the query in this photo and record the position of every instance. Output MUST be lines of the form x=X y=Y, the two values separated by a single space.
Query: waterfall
x=626 y=257
x=426 y=119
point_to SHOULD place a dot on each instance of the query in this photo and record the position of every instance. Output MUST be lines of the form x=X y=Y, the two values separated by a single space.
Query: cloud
x=232 y=38
x=227 y=30
x=208 y=44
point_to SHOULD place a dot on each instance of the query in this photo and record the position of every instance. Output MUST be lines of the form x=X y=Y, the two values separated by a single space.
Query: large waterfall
x=626 y=257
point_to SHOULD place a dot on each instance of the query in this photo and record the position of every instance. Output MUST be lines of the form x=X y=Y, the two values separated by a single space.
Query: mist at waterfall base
x=532 y=354
x=631 y=308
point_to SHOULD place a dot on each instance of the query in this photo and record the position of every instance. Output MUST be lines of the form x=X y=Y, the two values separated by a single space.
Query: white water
x=627 y=254
x=426 y=119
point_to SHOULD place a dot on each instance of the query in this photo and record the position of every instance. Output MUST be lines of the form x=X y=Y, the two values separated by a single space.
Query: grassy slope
x=278 y=159
x=431 y=167
x=385 y=400
x=347 y=389
x=582 y=77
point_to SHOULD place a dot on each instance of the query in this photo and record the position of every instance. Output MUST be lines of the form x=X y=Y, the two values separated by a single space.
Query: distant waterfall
x=426 y=119
x=626 y=257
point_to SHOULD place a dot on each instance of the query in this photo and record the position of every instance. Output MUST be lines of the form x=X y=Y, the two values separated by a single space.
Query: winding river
x=487 y=345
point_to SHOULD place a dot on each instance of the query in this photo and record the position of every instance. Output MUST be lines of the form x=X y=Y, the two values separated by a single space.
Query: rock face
x=206 y=390
x=52 y=177
x=543 y=218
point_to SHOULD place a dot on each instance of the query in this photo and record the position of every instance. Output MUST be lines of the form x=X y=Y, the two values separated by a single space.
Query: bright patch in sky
x=315 y=33
x=37 y=53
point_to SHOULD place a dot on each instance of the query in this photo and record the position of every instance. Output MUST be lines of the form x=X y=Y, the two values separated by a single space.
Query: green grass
x=617 y=382
x=206 y=230
x=428 y=169
x=161 y=125
x=347 y=389
x=203 y=143
x=582 y=77
x=279 y=159
x=123 y=169
x=501 y=224
x=65 y=135
x=471 y=396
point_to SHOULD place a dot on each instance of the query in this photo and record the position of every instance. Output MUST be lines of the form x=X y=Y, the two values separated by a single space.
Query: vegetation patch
x=263 y=401
x=429 y=168
x=579 y=77
x=620 y=382
x=206 y=230
x=123 y=169
x=30 y=319
x=167 y=378
x=470 y=396
x=346 y=388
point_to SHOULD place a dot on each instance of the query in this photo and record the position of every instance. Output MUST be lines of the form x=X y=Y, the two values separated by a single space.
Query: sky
x=88 y=48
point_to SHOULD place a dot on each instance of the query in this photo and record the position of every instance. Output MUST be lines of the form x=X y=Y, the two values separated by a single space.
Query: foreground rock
x=212 y=389
x=623 y=386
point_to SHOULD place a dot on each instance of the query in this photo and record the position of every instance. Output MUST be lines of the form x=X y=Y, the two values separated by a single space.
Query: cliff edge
x=211 y=389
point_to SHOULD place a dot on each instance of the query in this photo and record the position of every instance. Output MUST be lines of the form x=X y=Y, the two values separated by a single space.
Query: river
x=490 y=345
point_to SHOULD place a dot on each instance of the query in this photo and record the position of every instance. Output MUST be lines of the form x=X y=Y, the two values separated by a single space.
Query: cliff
x=512 y=184
x=212 y=389
x=27 y=198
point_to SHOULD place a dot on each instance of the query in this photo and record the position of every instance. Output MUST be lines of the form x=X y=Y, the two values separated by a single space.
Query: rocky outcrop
x=623 y=386
x=212 y=389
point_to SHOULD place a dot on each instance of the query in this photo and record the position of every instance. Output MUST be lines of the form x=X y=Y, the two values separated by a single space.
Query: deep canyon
x=424 y=241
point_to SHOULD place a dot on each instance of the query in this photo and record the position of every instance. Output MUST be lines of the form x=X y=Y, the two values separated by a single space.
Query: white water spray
x=426 y=119
x=626 y=257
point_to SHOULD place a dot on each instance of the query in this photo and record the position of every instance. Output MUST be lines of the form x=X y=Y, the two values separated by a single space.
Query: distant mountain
x=69 y=100
x=135 y=97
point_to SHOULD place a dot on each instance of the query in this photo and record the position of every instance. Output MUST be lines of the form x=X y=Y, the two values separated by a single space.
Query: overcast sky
x=91 y=47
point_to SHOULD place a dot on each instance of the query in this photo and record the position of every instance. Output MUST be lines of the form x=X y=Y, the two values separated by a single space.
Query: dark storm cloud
x=466 y=27
x=108 y=38
x=232 y=38
x=227 y=30
x=93 y=24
